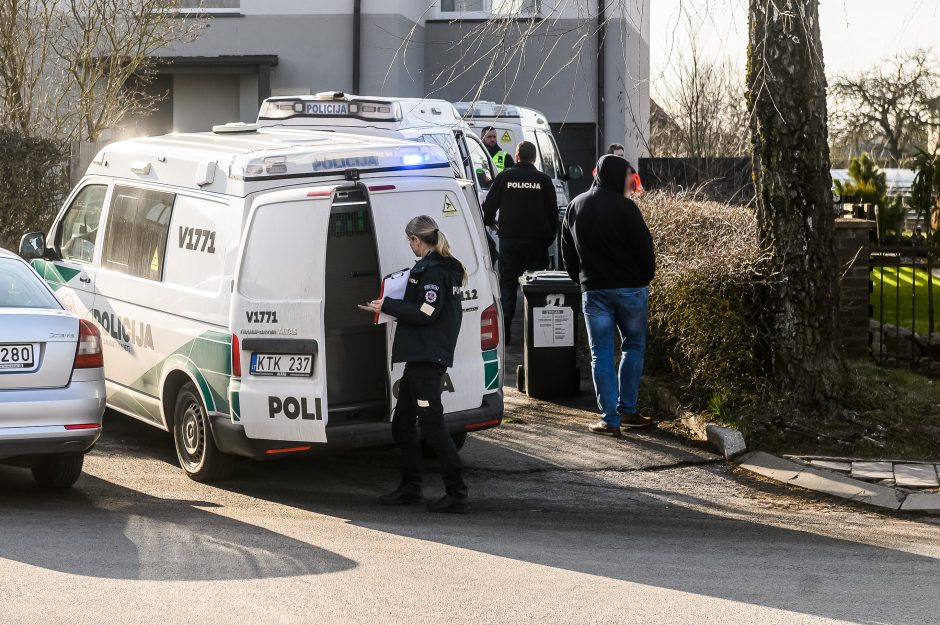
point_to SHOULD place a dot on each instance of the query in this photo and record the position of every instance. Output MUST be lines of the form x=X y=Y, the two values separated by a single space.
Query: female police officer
x=428 y=324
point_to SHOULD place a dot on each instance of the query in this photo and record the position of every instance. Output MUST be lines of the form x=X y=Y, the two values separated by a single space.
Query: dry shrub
x=707 y=323
x=33 y=181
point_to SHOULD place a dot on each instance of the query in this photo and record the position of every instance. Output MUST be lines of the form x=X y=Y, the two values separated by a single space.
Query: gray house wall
x=451 y=48
x=305 y=46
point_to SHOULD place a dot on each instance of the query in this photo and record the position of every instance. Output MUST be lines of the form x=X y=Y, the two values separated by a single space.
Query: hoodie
x=605 y=243
x=430 y=313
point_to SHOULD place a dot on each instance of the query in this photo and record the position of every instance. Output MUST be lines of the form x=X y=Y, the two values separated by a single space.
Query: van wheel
x=58 y=471
x=199 y=457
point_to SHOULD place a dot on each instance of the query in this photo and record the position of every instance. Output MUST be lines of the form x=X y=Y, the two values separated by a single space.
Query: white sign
x=553 y=327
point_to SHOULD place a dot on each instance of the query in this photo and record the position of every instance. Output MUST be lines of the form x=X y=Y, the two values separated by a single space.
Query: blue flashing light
x=412 y=159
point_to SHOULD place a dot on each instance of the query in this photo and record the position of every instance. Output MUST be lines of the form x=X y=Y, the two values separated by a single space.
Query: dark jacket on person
x=429 y=316
x=526 y=201
x=605 y=244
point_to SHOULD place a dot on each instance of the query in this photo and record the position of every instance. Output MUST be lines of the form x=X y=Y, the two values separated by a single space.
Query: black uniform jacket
x=429 y=316
x=605 y=243
x=526 y=201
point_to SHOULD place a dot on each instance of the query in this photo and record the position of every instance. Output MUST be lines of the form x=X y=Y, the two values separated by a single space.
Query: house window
x=210 y=6
x=495 y=8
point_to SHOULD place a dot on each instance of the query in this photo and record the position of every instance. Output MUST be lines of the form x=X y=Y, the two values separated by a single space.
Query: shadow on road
x=100 y=529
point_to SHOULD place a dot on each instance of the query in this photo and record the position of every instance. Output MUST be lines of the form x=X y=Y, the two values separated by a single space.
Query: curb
x=823 y=481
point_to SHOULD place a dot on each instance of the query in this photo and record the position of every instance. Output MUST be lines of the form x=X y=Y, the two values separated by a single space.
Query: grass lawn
x=912 y=284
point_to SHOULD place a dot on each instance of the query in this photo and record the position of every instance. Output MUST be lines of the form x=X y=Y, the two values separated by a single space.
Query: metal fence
x=903 y=286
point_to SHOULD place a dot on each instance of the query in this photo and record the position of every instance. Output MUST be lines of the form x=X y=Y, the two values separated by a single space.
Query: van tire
x=58 y=471
x=195 y=446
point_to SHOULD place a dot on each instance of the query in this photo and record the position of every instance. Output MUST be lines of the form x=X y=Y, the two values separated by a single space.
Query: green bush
x=33 y=181
x=708 y=321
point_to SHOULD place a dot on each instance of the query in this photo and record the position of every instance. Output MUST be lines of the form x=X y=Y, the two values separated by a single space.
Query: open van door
x=277 y=317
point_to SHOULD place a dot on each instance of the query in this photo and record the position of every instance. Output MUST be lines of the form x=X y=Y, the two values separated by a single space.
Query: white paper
x=553 y=326
x=393 y=286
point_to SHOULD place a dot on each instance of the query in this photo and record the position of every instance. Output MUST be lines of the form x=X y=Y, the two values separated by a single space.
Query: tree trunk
x=787 y=98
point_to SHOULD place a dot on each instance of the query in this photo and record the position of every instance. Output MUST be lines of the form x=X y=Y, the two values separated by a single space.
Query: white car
x=52 y=391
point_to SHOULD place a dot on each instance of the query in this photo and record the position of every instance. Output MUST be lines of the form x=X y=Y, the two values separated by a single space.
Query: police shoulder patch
x=430 y=296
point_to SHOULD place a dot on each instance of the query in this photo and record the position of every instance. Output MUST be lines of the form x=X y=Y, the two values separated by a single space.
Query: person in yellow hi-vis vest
x=500 y=157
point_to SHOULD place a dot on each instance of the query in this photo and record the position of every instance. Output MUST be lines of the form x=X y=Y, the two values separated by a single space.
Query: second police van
x=224 y=270
x=416 y=119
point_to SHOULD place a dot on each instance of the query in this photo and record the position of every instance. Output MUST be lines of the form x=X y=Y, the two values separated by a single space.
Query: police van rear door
x=394 y=204
x=277 y=317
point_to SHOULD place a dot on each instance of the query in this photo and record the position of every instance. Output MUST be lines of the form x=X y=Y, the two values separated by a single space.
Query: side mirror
x=33 y=245
x=574 y=172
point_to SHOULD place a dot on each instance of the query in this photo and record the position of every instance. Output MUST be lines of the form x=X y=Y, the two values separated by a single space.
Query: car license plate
x=326 y=108
x=283 y=365
x=16 y=357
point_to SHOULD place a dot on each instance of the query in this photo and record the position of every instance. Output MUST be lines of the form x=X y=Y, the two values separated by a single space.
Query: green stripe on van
x=208 y=359
x=54 y=275
x=491 y=369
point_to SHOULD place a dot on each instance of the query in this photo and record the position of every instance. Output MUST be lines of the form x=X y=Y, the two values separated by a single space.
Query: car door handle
x=84 y=279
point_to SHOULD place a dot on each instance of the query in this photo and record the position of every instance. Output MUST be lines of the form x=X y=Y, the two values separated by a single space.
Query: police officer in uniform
x=500 y=157
x=523 y=207
x=429 y=319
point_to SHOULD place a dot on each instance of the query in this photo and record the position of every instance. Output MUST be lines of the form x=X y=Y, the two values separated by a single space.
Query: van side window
x=78 y=231
x=138 y=225
x=446 y=141
x=551 y=162
x=481 y=164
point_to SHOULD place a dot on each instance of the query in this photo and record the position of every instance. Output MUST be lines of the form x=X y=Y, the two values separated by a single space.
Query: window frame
x=488 y=13
x=116 y=192
x=211 y=11
x=60 y=223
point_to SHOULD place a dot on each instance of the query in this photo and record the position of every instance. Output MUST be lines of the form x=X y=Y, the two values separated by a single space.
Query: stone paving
x=887 y=484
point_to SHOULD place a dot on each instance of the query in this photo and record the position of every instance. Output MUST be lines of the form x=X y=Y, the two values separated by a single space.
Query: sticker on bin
x=553 y=326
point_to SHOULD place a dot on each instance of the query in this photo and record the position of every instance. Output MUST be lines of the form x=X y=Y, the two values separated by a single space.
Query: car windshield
x=21 y=288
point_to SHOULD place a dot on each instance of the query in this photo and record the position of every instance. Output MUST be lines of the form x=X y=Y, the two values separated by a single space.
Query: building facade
x=587 y=72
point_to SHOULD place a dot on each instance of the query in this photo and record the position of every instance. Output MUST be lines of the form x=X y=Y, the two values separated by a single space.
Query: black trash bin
x=552 y=307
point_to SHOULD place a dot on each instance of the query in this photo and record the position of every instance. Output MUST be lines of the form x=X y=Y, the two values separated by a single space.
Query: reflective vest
x=500 y=160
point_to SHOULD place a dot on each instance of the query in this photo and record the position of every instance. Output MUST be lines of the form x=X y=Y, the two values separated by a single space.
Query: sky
x=855 y=33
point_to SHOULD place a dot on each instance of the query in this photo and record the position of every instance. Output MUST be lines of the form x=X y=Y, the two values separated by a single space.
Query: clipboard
x=393 y=286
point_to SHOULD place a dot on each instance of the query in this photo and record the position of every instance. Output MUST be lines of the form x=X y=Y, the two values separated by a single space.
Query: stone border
x=837 y=485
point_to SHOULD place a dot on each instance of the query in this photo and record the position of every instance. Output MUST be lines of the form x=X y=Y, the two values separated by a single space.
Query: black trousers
x=516 y=256
x=419 y=401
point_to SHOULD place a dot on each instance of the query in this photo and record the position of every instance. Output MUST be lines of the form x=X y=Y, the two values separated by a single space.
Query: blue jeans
x=604 y=311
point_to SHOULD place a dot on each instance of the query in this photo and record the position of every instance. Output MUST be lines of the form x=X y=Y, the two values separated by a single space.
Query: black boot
x=449 y=503
x=404 y=495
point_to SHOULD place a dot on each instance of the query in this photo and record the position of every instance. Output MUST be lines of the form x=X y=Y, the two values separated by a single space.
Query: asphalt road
x=566 y=527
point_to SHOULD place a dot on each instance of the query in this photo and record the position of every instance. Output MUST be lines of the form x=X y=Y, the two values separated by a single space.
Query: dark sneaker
x=404 y=495
x=601 y=427
x=634 y=420
x=449 y=503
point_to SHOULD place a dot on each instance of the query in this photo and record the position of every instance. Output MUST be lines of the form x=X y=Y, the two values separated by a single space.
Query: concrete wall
x=545 y=77
x=557 y=73
x=201 y=101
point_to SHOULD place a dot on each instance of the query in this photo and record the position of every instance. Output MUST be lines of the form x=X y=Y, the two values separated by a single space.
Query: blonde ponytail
x=425 y=228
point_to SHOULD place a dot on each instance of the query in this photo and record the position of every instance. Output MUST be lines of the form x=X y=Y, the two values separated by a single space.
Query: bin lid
x=548 y=279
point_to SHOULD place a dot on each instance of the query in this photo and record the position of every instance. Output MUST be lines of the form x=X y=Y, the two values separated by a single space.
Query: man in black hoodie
x=607 y=248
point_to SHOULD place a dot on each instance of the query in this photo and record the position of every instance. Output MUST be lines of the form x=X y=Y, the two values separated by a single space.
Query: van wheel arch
x=174 y=381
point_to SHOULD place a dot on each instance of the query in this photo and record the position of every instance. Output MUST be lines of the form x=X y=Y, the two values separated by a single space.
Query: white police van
x=417 y=119
x=224 y=270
